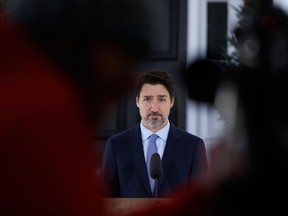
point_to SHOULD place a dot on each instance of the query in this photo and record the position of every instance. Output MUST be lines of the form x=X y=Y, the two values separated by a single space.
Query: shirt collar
x=162 y=133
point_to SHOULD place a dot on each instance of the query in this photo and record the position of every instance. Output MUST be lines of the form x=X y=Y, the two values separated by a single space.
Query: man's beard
x=154 y=123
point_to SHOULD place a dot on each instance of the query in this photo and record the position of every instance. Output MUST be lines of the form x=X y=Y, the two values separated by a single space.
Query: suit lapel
x=169 y=153
x=136 y=149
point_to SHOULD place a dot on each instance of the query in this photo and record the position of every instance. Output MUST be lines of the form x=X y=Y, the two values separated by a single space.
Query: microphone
x=155 y=169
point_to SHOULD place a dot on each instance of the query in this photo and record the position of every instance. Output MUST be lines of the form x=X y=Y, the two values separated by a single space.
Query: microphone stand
x=156 y=187
x=156 y=192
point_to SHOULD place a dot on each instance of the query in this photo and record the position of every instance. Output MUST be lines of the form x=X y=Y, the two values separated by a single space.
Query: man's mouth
x=154 y=115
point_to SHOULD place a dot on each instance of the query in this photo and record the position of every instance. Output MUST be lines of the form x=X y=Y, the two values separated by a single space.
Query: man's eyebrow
x=162 y=95
x=147 y=96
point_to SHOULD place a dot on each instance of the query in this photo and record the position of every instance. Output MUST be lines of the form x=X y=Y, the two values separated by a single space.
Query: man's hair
x=154 y=77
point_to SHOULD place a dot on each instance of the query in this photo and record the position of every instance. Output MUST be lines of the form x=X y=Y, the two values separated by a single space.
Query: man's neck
x=154 y=130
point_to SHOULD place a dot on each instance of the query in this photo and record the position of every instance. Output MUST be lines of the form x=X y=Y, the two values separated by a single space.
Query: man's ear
x=172 y=102
x=137 y=102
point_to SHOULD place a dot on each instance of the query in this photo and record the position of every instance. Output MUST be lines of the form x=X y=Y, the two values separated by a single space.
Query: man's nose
x=154 y=107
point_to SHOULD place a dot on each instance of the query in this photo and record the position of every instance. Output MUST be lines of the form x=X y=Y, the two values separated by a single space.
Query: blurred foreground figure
x=61 y=65
x=248 y=170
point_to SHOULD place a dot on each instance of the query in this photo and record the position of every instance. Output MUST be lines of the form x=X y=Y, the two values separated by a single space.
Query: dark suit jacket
x=124 y=172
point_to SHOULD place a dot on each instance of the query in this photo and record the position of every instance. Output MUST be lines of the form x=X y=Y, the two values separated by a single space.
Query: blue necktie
x=152 y=148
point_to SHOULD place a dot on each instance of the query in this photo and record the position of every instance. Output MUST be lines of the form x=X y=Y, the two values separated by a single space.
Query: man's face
x=154 y=105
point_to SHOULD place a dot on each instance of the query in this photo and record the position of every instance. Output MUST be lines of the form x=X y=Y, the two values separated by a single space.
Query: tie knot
x=153 y=138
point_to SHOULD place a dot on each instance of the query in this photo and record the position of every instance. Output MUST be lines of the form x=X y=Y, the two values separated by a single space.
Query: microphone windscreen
x=155 y=166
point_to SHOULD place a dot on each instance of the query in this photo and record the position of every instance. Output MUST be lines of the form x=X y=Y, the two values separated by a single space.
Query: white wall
x=281 y=3
x=202 y=120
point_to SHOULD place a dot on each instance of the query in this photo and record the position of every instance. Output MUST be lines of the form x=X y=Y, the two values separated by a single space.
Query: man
x=125 y=157
x=54 y=61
